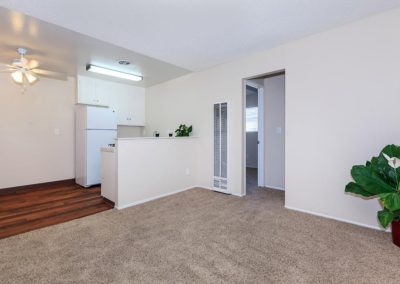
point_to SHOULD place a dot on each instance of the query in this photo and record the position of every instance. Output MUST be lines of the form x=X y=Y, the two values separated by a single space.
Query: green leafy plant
x=183 y=130
x=380 y=178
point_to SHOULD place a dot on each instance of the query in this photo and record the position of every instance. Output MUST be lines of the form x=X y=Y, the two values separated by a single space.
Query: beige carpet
x=203 y=237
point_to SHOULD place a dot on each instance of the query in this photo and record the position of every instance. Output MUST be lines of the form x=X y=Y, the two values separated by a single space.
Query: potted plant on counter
x=379 y=178
x=183 y=130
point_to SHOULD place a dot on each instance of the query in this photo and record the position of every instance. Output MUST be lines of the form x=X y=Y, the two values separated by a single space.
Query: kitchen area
x=70 y=101
x=112 y=148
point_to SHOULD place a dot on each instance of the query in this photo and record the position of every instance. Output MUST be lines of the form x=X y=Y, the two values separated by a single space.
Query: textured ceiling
x=62 y=50
x=198 y=34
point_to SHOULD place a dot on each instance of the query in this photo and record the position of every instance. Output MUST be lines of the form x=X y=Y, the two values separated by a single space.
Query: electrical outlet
x=187 y=171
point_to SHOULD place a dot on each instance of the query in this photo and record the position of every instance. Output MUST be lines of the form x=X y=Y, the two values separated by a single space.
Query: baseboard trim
x=112 y=203
x=210 y=188
x=274 y=187
x=38 y=186
x=203 y=187
x=337 y=219
x=153 y=198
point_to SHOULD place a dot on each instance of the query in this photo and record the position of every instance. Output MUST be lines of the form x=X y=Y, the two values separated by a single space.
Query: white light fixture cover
x=113 y=73
x=18 y=77
x=30 y=77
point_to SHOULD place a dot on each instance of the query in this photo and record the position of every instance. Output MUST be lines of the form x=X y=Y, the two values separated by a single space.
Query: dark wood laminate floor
x=26 y=210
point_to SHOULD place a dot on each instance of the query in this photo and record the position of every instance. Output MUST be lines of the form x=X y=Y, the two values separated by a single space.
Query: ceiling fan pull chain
x=23 y=89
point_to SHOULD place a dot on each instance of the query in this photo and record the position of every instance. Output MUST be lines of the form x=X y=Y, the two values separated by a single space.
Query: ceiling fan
x=26 y=72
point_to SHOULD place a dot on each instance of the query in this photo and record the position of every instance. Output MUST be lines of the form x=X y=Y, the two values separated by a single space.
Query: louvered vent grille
x=220 y=182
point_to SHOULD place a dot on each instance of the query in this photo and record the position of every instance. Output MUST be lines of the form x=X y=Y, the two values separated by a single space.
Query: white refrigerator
x=95 y=127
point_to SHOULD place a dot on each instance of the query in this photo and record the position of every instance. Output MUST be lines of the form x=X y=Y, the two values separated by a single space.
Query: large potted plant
x=379 y=178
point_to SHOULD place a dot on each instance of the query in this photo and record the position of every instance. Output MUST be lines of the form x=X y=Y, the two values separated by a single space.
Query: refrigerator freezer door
x=101 y=118
x=95 y=140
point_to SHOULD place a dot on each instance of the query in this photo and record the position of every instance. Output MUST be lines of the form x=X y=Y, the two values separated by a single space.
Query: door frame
x=244 y=82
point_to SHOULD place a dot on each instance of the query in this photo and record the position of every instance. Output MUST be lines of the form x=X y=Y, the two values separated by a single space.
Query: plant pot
x=396 y=232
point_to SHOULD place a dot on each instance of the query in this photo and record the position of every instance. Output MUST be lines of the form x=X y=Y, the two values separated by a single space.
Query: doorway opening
x=264 y=132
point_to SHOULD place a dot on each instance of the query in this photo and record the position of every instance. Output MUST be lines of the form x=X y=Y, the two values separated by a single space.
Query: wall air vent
x=220 y=182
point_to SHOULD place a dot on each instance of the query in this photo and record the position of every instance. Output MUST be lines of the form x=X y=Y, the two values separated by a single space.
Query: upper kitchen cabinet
x=92 y=91
x=128 y=101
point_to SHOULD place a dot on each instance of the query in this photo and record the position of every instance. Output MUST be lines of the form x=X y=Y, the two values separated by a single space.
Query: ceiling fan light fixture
x=31 y=78
x=113 y=73
x=18 y=77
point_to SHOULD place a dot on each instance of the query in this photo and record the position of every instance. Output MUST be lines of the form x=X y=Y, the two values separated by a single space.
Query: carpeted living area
x=203 y=237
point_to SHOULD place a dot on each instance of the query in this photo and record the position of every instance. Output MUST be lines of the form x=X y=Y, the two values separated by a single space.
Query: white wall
x=30 y=150
x=274 y=127
x=154 y=167
x=342 y=97
x=130 y=131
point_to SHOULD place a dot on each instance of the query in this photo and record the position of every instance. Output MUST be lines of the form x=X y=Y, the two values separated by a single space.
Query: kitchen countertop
x=114 y=149
x=154 y=138
x=108 y=149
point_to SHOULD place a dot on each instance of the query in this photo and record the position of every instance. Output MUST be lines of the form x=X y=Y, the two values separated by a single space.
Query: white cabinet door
x=92 y=91
x=128 y=101
x=103 y=92
x=130 y=105
x=86 y=90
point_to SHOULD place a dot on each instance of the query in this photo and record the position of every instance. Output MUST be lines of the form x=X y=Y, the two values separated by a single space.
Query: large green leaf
x=385 y=217
x=370 y=181
x=357 y=189
x=392 y=151
x=391 y=201
x=380 y=166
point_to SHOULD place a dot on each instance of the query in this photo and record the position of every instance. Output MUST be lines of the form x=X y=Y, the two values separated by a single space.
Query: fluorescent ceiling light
x=113 y=73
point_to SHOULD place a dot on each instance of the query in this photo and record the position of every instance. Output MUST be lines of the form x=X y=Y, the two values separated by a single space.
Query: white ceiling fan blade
x=7 y=66
x=50 y=74
x=32 y=64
